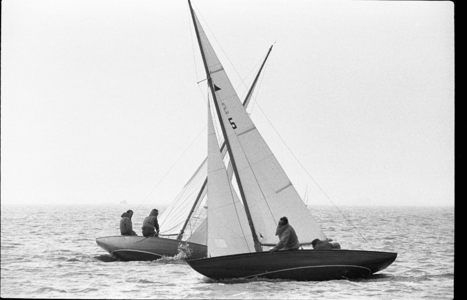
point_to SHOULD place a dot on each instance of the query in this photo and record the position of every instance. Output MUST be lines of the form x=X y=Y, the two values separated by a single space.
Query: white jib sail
x=228 y=231
x=268 y=190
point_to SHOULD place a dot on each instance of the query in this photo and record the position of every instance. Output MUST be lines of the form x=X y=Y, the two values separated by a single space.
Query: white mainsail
x=267 y=189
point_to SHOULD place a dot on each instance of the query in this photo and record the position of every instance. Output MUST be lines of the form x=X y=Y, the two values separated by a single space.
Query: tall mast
x=229 y=148
x=250 y=92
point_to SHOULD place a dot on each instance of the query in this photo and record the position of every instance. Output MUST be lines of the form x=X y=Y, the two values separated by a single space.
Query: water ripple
x=52 y=265
x=49 y=290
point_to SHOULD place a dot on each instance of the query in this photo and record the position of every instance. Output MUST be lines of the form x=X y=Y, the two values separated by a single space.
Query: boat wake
x=171 y=260
x=184 y=252
x=105 y=258
x=177 y=259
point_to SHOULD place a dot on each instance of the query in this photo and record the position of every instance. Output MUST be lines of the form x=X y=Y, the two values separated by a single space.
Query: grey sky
x=100 y=98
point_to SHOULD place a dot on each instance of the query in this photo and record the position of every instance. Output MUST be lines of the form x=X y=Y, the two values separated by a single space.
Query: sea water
x=51 y=252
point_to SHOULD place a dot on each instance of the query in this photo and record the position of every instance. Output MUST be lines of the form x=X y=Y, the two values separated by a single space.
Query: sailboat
x=243 y=210
x=175 y=238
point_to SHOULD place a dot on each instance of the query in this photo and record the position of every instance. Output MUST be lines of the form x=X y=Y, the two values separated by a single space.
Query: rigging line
x=205 y=98
x=236 y=211
x=194 y=57
x=192 y=44
x=242 y=80
x=254 y=175
x=173 y=215
x=190 y=188
x=198 y=211
x=189 y=146
x=345 y=217
x=179 y=202
x=191 y=226
x=212 y=33
x=248 y=74
x=180 y=215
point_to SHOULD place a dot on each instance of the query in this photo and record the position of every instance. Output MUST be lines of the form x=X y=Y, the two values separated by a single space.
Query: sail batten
x=246 y=131
x=281 y=189
x=218 y=70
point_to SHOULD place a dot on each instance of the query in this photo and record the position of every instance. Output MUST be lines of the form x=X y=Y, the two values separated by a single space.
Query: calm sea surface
x=50 y=252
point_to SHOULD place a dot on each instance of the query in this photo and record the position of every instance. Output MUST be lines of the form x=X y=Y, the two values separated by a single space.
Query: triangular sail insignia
x=216 y=88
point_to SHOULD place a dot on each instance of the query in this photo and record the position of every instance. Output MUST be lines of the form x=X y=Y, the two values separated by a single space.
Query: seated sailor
x=126 y=227
x=288 y=239
x=150 y=224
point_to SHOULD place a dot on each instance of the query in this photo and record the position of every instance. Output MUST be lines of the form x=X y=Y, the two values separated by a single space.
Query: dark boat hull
x=303 y=265
x=138 y=248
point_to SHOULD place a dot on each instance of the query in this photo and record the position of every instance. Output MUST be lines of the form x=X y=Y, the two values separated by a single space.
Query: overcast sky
x=100 y=101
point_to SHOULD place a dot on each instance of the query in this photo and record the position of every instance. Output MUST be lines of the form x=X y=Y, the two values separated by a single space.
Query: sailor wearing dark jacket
x=288 y=239
x=126 y=227
x=325 y=245
x=150 y=224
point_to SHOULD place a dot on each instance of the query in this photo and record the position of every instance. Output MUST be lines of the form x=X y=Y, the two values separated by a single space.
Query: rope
x=242 y=82
x=189 y=146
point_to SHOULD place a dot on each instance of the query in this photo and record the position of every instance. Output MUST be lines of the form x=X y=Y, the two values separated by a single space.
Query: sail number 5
x=230 y=119
x=232 y=123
